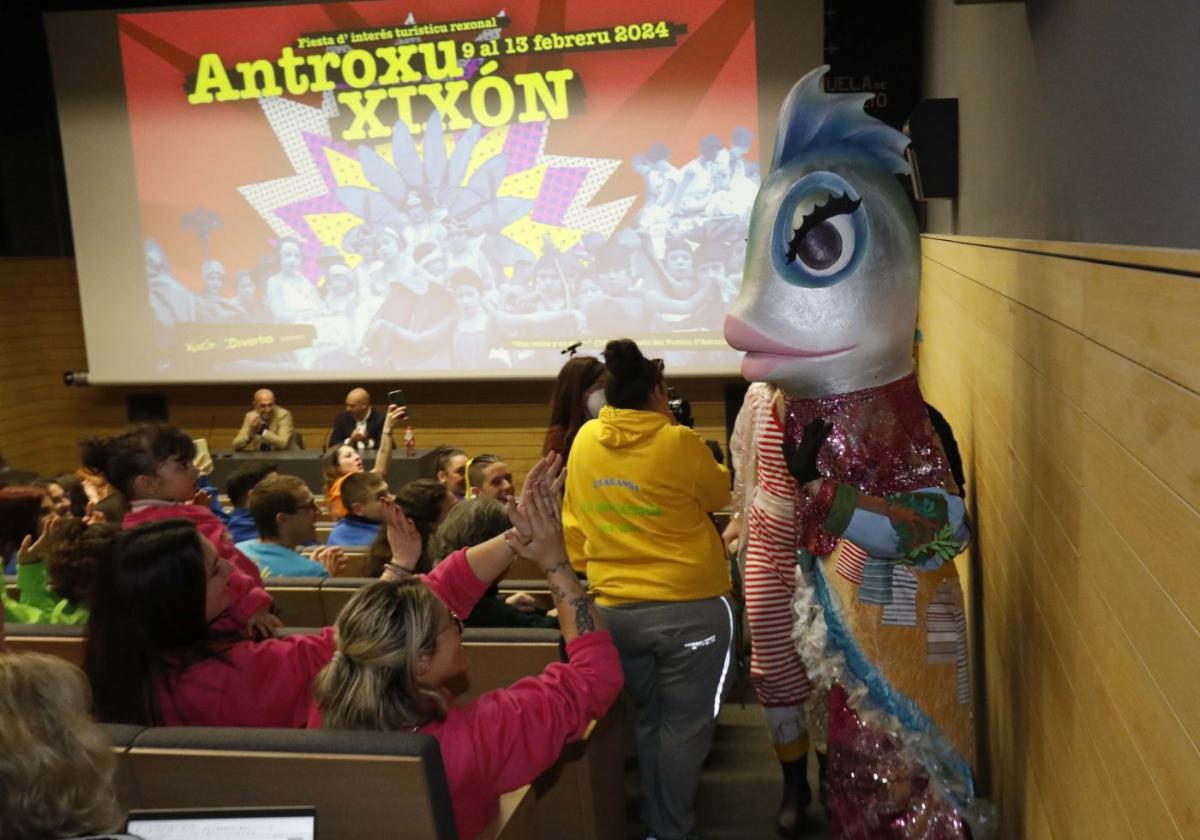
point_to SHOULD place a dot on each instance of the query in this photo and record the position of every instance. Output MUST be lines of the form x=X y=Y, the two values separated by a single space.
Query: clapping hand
x=332 y=558
x=537 y=532
x=30 y=549
x=402 y=535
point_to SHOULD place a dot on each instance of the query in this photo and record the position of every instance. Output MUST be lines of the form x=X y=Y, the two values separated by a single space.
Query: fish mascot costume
x=826 y=315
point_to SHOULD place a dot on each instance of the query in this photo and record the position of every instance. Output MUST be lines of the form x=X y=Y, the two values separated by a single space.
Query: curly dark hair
x=74 y=553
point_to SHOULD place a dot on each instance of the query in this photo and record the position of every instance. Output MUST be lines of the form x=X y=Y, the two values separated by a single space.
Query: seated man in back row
x=266 y=426
x=359 y=425
x=487 y=475
x=362 y=494
x=238 y=486
x=286 y=515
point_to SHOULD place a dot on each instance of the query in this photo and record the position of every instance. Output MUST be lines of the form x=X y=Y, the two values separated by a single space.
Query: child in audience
x=55 y=573
x=427 y=503
x=476 y=523
x=362 y=494
x=343 y=460
x=23 y=511
x=56 y=766
x=241 y=481
x=155 y=657
x=286 y=517
x=400 y=643
x=152 y=466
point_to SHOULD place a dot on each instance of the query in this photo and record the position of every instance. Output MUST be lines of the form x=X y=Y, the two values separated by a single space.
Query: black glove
x=802 y=461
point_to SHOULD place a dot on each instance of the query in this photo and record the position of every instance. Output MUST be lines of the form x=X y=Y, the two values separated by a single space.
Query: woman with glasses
x=399 y=644
x=638 y=492
x=155 y=657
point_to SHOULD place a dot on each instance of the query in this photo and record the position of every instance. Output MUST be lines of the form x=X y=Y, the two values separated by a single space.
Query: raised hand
x=30 y=549
x=802 y=461
x=402 y=535
x=395 y=414
x=537 y=534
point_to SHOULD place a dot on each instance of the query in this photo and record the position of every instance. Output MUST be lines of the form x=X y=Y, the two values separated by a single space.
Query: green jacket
x=37 y=604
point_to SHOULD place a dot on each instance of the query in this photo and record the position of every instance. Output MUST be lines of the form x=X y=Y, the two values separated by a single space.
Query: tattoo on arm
x=584 y=623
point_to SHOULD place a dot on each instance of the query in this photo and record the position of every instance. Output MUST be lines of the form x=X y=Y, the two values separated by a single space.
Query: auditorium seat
x=363 y=784
x=61 y=640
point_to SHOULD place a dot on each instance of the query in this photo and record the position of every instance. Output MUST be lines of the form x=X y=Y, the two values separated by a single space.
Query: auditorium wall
x=41 y=420
x=1070 y=375
x=1075 y=118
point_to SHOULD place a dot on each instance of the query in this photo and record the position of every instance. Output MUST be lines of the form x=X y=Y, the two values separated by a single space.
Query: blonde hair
x=371 y=682
x=56 y=766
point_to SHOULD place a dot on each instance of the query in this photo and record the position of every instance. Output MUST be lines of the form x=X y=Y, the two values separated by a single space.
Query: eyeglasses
x=309 y=505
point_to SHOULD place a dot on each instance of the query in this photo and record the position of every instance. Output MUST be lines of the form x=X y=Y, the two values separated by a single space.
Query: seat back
x=63 y=641
x=297 y=600
x=502 y=655
x=363 y=784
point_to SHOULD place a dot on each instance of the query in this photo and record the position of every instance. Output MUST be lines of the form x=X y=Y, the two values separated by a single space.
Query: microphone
x=570 y=349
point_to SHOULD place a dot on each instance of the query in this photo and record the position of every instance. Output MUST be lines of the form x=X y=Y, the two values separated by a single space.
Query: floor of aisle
x=741 y=784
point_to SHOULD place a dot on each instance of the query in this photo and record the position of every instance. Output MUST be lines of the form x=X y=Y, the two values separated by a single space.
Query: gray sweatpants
x=678 y=662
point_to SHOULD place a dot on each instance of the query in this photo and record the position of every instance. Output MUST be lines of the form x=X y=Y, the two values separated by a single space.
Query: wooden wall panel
x=41 y=421
x=1071 y=383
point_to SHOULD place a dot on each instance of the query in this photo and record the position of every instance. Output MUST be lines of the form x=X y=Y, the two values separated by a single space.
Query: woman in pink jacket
x=400 y=643
x=155 y=657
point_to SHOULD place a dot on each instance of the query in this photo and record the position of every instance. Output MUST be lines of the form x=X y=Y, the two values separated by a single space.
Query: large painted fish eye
x=820 y=231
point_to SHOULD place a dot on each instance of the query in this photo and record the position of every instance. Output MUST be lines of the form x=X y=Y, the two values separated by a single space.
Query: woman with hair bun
x=638 y=492
x=399 y=645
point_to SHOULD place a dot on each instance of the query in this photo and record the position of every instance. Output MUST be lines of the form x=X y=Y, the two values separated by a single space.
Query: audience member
x=343 y=459
x=285 y=514
x=56 y=572
x=67 y=496
x=487 y=475
x=451 y=469
x=659 y=571
x=473 y=524
x=400 y=643
x=156 y=656
x=152 y=466
x=361 y=494
x=266 y=426
x=23 y=509
x=426 y=503
x=56 y=765
x=359 y=425
x=241 y=481
x=578 y=396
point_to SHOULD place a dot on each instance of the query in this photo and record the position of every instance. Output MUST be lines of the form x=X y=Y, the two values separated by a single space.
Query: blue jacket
x=241 y=525
x=353 y=530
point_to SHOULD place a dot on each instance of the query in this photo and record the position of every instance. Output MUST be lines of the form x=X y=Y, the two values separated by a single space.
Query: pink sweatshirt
x=261 y=684
x=246 y=593
x=508 y=737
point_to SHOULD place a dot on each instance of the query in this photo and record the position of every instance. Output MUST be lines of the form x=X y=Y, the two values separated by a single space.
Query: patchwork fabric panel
x=850 y=562
x=876 y=582
x=902 y=611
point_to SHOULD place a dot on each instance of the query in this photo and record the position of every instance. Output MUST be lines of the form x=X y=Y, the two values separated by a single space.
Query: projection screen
x=317 y=191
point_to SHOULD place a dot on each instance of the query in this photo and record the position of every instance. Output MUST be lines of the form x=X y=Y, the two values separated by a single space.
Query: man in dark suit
x=359 y=425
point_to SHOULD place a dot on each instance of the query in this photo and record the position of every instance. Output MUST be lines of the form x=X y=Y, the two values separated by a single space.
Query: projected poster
x=441 y=188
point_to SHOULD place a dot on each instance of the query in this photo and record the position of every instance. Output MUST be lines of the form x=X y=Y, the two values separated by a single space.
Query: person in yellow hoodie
x=638 y=491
